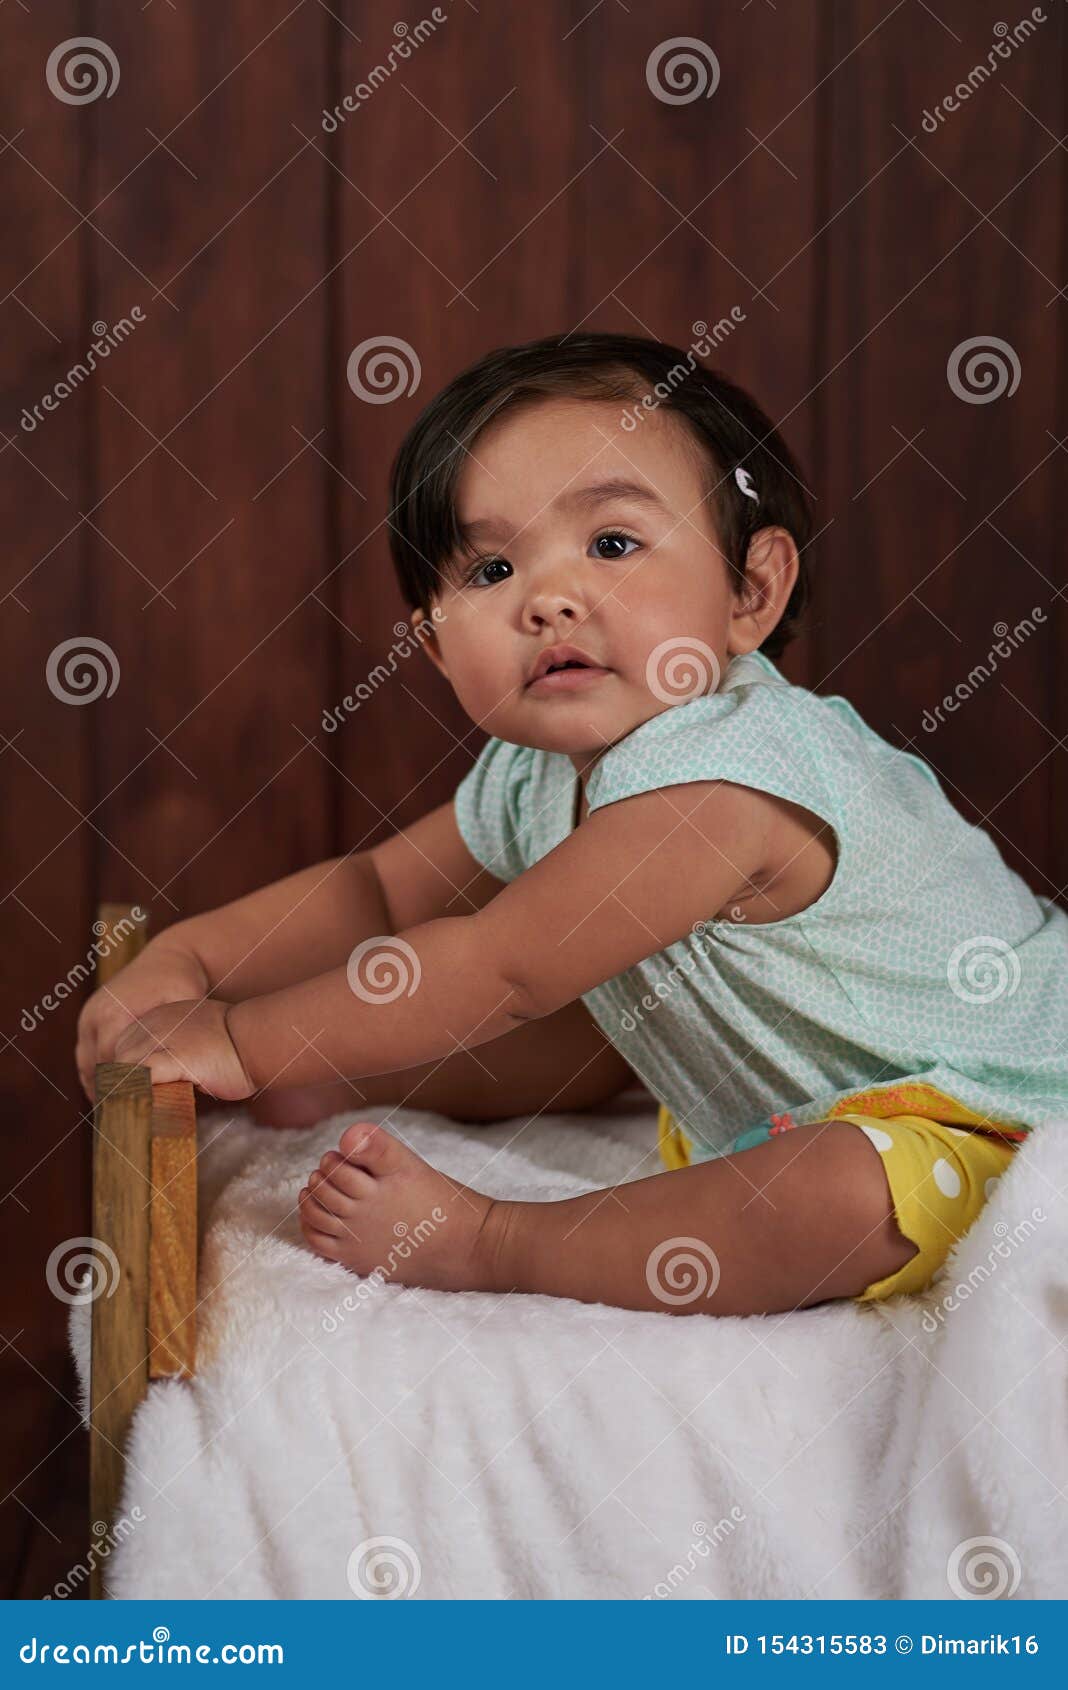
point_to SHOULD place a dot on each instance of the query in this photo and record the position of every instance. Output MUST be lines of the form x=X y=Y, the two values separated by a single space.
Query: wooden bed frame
x=145 y=1211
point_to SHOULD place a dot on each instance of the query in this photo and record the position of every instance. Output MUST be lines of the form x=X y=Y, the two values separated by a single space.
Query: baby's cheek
x=486 y=688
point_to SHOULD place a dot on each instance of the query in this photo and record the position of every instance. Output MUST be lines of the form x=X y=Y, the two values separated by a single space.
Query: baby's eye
x=613 y=537
x=490 y=563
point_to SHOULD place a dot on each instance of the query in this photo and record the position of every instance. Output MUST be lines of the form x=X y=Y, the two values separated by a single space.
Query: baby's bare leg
x=559 y=1063
x=801 y=1219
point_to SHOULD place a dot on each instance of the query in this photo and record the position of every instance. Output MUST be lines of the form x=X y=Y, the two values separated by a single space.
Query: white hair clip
x=745 y=483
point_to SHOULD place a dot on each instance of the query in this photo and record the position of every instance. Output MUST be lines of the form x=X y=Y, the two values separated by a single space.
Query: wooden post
x=172 y=1250
x=122 y=1124
x=145 y=1227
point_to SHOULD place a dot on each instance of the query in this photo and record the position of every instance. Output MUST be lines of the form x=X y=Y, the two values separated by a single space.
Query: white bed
x=439 y=1445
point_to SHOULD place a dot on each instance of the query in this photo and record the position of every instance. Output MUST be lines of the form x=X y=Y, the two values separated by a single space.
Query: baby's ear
x=771 y=568
x=425 y=631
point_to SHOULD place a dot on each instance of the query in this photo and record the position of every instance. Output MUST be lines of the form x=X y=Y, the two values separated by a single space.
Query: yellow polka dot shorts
x=940 y=1172
x=939 y=1178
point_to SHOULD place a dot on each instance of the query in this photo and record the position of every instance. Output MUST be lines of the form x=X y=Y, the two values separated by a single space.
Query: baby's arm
x=292 y=929
x=630 y=881
x=308 y=922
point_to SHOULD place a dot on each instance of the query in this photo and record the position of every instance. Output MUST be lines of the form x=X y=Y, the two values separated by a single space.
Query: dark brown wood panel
x=45 y=481
x=945 y=533
x=207 y=549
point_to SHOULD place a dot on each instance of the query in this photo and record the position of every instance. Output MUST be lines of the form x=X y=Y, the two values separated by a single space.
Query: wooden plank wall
x=210 y=502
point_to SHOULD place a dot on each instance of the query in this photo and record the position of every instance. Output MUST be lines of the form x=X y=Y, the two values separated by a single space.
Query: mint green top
x=927 y=958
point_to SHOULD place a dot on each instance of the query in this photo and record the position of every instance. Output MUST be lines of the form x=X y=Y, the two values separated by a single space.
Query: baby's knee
x=846 y=1186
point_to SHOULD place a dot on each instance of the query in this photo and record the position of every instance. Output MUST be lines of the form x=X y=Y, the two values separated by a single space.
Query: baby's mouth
x=570 y=676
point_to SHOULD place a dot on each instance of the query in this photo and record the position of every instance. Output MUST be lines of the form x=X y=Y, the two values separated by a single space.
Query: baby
x=667 y=863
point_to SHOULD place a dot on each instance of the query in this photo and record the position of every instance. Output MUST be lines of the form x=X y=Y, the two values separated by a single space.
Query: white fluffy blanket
x=338 y=1442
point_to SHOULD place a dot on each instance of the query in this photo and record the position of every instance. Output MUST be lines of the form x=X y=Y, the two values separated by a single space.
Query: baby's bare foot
x=378 y=1208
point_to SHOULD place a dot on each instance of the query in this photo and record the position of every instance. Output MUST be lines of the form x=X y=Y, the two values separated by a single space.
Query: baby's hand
x=188 y=1041
x=161 y=974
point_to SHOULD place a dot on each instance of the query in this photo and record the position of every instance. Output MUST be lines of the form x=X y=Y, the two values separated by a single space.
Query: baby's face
x=633 y=579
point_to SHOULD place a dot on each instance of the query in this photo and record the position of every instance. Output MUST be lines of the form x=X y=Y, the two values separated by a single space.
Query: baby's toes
x=345 y=1186
x=324 y=1198
x=372 y=1148
x=323 y=1231
x=355 y=1139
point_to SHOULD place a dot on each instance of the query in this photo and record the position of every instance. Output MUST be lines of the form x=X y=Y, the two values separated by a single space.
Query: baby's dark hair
x=728 y=428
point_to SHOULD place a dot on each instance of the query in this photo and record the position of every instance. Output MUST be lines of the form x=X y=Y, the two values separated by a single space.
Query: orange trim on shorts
x=910 y=1097
x=916 y=1097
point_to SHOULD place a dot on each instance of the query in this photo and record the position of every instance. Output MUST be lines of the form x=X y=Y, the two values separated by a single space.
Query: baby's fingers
x=85 y=1057
x=131 y=1044
x=109 y=1030
x=85 y=1074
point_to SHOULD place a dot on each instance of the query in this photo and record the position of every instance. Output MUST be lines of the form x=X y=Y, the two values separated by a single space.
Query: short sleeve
x=758 y=735
x=491 y=807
